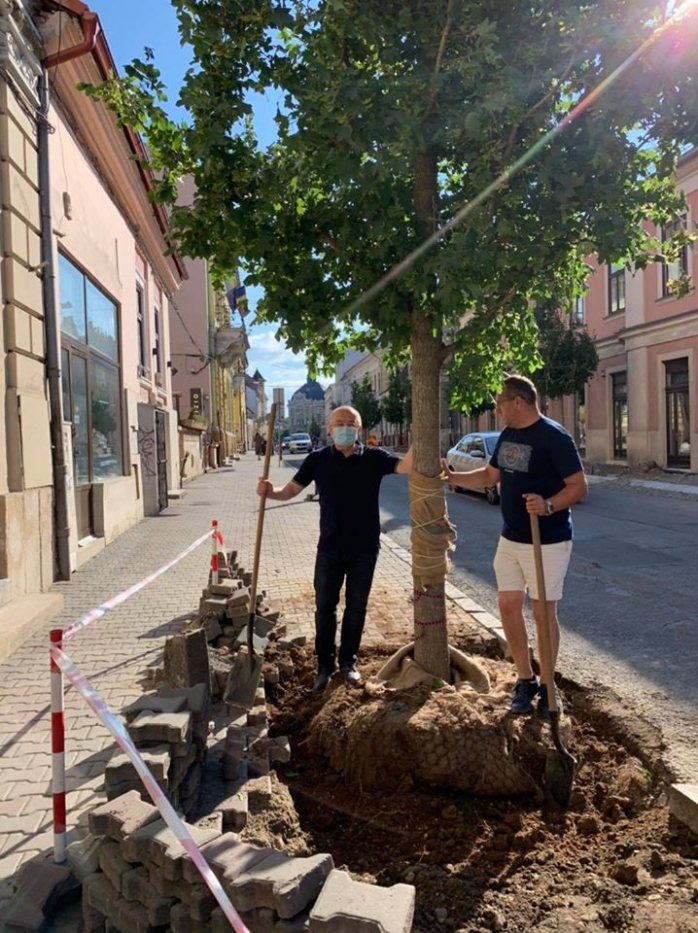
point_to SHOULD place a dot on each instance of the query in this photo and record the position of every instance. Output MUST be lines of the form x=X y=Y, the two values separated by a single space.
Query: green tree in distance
x=364 y=400
x=392 y=116
x=397 y=401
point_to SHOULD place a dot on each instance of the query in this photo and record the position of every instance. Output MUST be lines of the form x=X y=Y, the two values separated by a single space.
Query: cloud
x=279 y=366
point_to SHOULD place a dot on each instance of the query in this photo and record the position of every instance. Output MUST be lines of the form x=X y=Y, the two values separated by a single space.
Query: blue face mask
x=345 y=436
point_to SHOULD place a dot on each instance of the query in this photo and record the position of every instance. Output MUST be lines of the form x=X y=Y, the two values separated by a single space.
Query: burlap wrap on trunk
x=432 y=533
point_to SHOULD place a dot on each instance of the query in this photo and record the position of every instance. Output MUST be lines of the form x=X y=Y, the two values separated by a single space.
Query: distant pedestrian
x=372 y=440
x=538 y=469
x=260 y=445
x=347 y=476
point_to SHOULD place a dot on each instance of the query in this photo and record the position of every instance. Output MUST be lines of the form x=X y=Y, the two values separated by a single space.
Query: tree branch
x=440 y=55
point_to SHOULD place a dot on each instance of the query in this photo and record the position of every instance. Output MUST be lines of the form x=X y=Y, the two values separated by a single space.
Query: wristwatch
x=549 y=507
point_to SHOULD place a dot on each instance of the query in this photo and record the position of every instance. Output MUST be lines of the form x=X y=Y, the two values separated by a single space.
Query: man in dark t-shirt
x=539 y=472
x=347 y=477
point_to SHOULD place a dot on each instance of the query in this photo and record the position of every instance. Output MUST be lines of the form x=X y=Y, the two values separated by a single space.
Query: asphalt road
x=629 y=614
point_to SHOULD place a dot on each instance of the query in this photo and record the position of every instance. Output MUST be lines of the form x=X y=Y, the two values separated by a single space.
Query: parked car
x=472 y=452
x=285 y=444
x=300 y=444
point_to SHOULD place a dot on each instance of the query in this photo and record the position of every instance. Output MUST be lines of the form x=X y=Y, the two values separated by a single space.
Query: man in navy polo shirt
x=347 y=476
x=539 y=472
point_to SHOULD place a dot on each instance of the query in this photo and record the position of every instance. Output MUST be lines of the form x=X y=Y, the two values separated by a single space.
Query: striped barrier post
x=58 y=751
x=214 y=551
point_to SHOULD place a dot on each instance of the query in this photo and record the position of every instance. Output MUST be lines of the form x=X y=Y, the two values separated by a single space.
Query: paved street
x=115 y=651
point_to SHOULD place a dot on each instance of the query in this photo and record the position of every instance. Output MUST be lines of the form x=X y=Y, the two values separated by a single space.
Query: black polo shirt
x=348 y=488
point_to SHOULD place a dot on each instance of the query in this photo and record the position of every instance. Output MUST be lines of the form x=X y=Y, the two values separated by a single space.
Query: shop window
x=619 y=388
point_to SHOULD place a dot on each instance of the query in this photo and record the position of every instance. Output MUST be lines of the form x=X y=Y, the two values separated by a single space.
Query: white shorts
x=515 y=568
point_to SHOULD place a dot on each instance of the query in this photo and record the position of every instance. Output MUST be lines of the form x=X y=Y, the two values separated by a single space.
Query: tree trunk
x=430 y=628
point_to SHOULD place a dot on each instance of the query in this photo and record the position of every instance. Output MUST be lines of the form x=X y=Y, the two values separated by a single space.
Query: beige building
x=90 y=432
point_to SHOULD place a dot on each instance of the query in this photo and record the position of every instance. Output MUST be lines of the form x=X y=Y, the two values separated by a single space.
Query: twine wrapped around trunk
x=432 y=532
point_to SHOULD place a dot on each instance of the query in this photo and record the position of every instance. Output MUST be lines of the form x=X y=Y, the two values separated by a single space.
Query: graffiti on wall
x=146 y=448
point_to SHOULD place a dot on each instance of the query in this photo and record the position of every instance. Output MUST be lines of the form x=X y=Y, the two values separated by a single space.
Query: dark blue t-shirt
x=535 y=459
x=348 y=488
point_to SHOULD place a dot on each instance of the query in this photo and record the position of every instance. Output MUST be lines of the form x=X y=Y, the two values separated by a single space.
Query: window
x=619 y=389
x=616 y=288
x=157 y=337
x=142 y=334
x=91 y=375
x=678 y=267
x=579 y=311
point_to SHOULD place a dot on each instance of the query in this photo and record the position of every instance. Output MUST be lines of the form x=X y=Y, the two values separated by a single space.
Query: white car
x=300 y=444
x=472 y=452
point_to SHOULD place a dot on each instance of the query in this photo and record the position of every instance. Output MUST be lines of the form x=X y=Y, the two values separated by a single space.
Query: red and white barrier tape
x=115 y=601
x=116 y=727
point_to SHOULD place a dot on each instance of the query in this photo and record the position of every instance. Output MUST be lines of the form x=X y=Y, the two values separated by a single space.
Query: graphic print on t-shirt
x=511 y=456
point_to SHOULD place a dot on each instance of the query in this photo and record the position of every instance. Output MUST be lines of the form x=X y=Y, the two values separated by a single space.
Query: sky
x=131 y=25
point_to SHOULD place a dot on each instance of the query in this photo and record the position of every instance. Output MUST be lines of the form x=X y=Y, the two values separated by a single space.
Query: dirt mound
x=614 y=862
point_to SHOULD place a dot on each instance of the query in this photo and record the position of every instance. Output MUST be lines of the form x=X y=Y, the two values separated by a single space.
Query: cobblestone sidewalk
x=115 y=651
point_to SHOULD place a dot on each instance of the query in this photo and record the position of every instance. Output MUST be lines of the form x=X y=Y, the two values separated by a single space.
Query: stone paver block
x=136 y=886
x=235 y=810
x=157 y=843
x=683 y=804
x=196 y=697
x=41 y=884
x=262 y=920
x=100 y=894
x=226 y=588
x=152 y=704
x=259 y=792
x=113 y=864
x=227 y=856
x=286 y=885
x=181 y=921
x=83 y=855
x=279 y=749
x=348 y=906
x=186 y=659
x=240 y=597
x=121 y=768
x=160 y=727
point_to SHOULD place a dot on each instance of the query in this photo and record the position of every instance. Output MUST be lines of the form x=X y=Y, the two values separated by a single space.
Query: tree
x=397 y=402
x=364 y=400
x=314 y=430
x=568 y=353
x=392 y=117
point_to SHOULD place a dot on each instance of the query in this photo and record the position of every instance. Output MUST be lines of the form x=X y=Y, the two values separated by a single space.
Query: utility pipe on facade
x=90 y=24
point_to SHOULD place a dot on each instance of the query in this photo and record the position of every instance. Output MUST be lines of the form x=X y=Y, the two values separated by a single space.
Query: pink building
x=641 y=405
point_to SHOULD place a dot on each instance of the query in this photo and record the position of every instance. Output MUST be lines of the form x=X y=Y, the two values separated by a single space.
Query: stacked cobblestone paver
x=117 y=651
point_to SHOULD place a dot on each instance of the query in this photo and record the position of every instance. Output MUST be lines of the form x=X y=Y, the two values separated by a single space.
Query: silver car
x=472 y=452
x=300 y=444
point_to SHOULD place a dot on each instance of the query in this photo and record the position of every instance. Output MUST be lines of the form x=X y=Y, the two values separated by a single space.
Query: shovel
x=271 y=421
x=244 y=678
x=559 y=763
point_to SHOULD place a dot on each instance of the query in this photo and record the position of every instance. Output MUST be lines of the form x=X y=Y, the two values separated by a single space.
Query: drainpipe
x=90 y=24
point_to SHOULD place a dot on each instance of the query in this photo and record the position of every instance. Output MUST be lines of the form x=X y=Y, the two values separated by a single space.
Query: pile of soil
x=614 y=861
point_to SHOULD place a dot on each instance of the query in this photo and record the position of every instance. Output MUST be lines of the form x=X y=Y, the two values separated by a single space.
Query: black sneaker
x=543 y=709
x=524 y=693
x=350 y=674
x=322 y=680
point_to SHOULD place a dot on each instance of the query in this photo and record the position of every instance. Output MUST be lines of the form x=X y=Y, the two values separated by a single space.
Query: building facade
x=87 y=276
x=640 y=407
x=306 y=408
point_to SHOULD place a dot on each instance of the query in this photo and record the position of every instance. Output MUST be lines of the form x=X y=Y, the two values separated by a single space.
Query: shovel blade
x=559 y=777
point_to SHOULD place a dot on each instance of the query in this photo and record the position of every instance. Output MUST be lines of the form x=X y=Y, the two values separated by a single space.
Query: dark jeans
x=331 y=570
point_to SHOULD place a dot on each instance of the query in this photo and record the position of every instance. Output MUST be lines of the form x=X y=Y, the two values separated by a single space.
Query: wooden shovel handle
x=271 y=420
x=546 y=646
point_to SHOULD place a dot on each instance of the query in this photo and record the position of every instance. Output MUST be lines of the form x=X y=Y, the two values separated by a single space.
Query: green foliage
x=392 y=117
x=569 y=355
x=397 y=407
x=365 y=402
x=315 y=429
